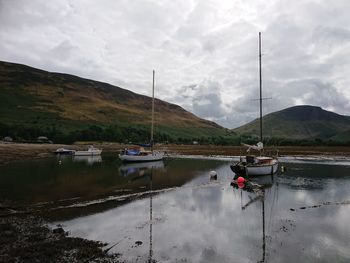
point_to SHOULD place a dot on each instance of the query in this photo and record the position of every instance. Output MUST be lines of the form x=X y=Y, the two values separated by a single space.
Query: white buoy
x=213 y=174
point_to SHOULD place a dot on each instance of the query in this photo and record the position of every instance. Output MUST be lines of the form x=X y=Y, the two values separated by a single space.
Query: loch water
x=172 y=211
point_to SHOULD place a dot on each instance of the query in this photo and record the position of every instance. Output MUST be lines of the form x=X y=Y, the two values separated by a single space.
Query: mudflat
x=19 y=151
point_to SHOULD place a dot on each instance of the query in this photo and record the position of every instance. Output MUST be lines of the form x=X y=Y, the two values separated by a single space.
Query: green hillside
x=65 y=108
x=301 y=123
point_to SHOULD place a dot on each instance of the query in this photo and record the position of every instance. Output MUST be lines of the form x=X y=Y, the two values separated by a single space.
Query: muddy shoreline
x=10 y=152
x=27 y=238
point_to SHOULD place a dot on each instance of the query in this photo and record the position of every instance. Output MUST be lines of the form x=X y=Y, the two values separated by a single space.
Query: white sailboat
x=138 y=153
x=251 y=165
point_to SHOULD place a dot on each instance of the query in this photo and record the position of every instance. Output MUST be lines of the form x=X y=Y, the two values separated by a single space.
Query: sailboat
x=139 y=153
x=256 y=165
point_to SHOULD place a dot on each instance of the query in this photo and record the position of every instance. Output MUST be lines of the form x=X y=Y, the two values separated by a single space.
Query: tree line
x=141 y=134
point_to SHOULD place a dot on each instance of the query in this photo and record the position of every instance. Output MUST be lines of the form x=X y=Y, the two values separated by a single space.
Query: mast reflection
x=257 y=185
x=138 y=171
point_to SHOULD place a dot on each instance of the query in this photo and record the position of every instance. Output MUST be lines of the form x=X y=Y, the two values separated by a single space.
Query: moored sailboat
x=138 y=153
x=251 y=165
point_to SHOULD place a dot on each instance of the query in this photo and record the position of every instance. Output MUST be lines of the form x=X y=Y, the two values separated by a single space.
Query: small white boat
x=63 y=151
x=90 y=152
x=140 y=155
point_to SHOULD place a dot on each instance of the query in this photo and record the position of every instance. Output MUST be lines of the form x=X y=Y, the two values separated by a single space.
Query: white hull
x=262 y=169
x=88 y=153
x=141 y=158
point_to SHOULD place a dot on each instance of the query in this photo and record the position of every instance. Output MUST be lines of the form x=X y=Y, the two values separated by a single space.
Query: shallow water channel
x=171 y=211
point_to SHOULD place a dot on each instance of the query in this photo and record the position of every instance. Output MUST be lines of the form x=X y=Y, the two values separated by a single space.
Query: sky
x=204 y=52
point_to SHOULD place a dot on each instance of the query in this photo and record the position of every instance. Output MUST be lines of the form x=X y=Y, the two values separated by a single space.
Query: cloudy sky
x=205 y=52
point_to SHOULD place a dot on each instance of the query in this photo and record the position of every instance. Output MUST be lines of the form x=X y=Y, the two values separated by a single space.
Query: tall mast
x=261 y=136
x=152 y=111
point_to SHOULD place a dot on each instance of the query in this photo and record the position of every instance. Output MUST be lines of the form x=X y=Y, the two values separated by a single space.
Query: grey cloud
x=205 y=53
x=207 y=101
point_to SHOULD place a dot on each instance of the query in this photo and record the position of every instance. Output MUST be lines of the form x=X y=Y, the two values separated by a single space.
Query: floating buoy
x=283 y=169
x=213 y=174
x=240 y=180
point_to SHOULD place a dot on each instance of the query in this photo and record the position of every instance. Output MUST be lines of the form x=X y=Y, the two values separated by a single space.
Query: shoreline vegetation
x=26 y=237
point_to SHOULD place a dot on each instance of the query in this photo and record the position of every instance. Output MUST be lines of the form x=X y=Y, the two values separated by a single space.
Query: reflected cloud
x=209 y=224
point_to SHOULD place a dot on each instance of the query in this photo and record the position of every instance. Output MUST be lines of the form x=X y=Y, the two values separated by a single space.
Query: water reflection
x=140 y=169
x=257 y=186
x=90 y=160
x=178 y=214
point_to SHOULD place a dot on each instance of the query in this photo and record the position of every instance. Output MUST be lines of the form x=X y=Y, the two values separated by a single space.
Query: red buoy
x=241 y=185
x=240 y=180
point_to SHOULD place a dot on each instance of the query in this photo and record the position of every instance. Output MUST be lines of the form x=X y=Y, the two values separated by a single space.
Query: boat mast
x=261 y=136
x=152 y=128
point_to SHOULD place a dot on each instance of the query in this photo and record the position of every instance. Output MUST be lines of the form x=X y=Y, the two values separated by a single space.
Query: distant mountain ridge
x=65 y=107
x=34 y=98
x=301 y=122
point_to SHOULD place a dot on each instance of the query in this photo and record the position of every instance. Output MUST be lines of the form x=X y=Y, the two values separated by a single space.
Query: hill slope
x=301 y=122
x=37 y=99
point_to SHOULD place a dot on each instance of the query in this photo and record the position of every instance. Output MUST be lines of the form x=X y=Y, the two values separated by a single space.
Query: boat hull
x=141 y=158
x=255 y=170
x=262 y=169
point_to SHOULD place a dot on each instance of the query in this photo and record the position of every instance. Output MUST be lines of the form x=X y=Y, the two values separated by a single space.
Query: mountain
x=301 y=122
x=38 y=101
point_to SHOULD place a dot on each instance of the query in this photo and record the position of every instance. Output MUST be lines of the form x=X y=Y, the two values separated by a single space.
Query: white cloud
x=192 y=45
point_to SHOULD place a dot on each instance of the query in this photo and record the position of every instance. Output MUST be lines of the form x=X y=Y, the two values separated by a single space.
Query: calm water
x=172 y=212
